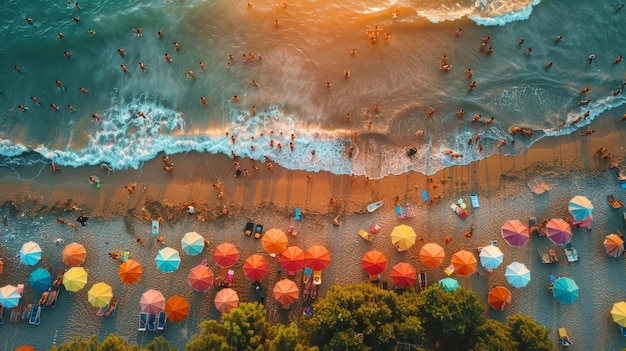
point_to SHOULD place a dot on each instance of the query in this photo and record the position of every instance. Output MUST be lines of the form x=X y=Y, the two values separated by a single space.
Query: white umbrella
x=491 y=256
x=517 y=274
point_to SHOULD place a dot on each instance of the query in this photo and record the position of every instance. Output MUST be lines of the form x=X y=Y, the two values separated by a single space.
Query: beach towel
x=474 y=201
x=425 y=196
x=155 y=227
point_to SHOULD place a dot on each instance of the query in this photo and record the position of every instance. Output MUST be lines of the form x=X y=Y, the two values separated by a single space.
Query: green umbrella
x=449 y=284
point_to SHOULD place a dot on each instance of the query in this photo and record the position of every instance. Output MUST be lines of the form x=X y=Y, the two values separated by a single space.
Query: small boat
x=565 y=340
x=571 y=253
x=143 y=321
x=421 y=280
x=374 y=206
x=365 y=235
x=35 y=314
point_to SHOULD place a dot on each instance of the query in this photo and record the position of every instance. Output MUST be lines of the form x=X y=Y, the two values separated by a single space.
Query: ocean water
x=297 y=48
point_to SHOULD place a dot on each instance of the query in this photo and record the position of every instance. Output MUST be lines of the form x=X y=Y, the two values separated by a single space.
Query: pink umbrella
x=559 y=231
x=152 y=302
x=515 y=233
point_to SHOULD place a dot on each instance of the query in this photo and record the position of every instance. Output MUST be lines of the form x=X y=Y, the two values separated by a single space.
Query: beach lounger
x=102 y=310
x=58 y=281
x=571 y=253
x=16 y=312
x=152 y=320
x=308 y=272
x=538 y=186
x=421 y=280
x=1 y=314
x=35 y=315
x=533 y=227
x=365 y=235
x=474 y=200
x=547 y=255
x=614 y=202
x=408 y=211
x=399 y=212
x=317 y=277
x=258 y=231
x=622 y=330
x=161 y=321
x=155 y=227
x=565 y=340
x=112 y=307
x=44 y=298
x=374 y=206
x=247 y=230
x=52 y=298
x=143 y=321
x=26 y=312
x=425 y=196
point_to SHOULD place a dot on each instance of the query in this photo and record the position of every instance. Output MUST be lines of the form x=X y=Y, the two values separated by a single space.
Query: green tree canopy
x=529 y=334
x=494 y=336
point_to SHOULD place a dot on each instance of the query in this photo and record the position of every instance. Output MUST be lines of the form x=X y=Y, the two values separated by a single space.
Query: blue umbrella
x=192 y=243
x=9 y=296
x=30 y=253
x=448 y=284
x=168 y=260
x=517 y=274
x=491 y=256
x=580 y=207
x=565 y=290
x=40 y=279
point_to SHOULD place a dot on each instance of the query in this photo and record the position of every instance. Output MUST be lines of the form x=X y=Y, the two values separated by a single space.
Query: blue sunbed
x=162 y=320
x=152 y=319
x=474 y=200
x=143 y=321
x=425 y=196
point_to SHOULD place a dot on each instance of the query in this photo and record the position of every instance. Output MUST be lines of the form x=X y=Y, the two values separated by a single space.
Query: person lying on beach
x=336 y=222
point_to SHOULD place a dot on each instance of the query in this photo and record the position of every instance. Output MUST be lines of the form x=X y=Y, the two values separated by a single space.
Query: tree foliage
x=529 y=334
x=494 y=336
x=110 y=343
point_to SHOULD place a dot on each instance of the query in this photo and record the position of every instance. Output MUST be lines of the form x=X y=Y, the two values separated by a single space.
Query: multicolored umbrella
x=100 y=294
x=167 y=260
x=292 y=259
x=403 y=275
x=449 y=284
x=192 y=243
x=176 y=308
x=9 y=296
x=565 y=290
x=74 y=254
x=255 y=267
x=40 y=279
x=491 y=256
x=226 y=299
x=129 y=271
x=152 y=302
x=614 y=245
x=30 y=253
x=374 y=262
x=580 y=208
x=403 y=237
x=517 y=275
x=618 y=312
x=464 y=263
x=225 y=254
x=515 y=233
x=286 y=292
x=432 y=255
x=200 y=278
x=75 y=279
x=274 y=241
x=499 y=298
x=317 y=258
x=559 y=231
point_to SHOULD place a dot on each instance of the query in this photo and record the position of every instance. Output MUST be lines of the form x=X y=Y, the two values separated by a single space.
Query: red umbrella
x=374 y=262
x=226 y=254
x=464 y=263
x=499 y=298
x=559 y=231
x=200 y=278
x=403 y=275
x=226 y=299
x=255 y=267
x=286 y=292
x=317 y=258
x=176 y=308
x=292 y=259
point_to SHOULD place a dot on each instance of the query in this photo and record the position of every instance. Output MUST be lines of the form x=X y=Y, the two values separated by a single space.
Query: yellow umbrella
x=100 y=294
x=75 y=279
x=403 y=237
x=618 y=312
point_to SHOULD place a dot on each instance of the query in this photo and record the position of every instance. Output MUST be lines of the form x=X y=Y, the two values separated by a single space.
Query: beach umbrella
x=30 y=253
x=74 y=254
x=580 y=208
x=403 y=237
x=1 y=266
x=286 y=292
x=565 y=290
x=432 y=255
x=225 y=254
x=100 y=294
x=374 y=262
x=403 y=275
x=517 y=274
x=491 y=257
x=167 y=260
x=176 y=308
x=152 y=302
x=292 y=259
x=614 y=245
x=75 y=279
x=200 y=278
x=499 y=298
x=226 y=299
x=192 y=243
x=10 y=296
x=129 y=271
x=558 y=231
x=317 y=258
x=255 y=267
x=449 y=284
x=274 y=241
x=618 y=312
x=40 y=279
x=24 y=348
x=515 y=233
x=464 y=263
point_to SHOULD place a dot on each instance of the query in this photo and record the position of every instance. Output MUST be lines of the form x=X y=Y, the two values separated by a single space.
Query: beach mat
x=155 y=227
x=474 y=201
x=425 y=196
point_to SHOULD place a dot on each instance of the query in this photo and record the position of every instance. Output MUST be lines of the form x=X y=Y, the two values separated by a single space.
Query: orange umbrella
x=74 y=254
x=403 y=275
x=292 y=259
x=432 y=255
x=226 y=299
x=499 y=298
x=374 y=262
x=255 y=267
x=200 y=278
x=317 y=258
x=225 y=254
x=130 y=271
x=464 y=263
x=274 y=241
x=286 y=292
x=614 y=245
x=176 y=308
x=1 y=266
x=25 y=348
